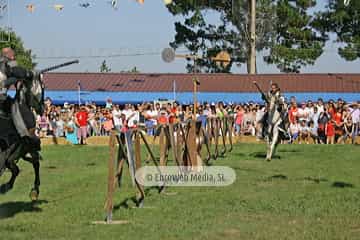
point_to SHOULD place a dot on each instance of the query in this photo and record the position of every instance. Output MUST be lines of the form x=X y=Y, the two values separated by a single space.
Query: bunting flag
x=166 y=2
x=84 y=5
x=113 y=3
x=58 y=7
x=30 y=8
x=3 y=7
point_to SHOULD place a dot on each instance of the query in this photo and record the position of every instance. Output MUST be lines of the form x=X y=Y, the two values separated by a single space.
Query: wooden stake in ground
x=111 y=178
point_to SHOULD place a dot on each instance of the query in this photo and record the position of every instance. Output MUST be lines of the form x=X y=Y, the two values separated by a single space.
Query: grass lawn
x=309 y=192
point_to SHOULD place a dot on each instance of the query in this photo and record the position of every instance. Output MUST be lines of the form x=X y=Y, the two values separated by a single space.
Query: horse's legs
x=268 y=150
x=4 y=188
x=272 y=144
x=35 y=161
x=36 y=165
x=11 y=165
x=268 y=138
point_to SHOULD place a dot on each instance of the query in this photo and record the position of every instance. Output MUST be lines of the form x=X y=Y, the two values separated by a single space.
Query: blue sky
x=133 y=28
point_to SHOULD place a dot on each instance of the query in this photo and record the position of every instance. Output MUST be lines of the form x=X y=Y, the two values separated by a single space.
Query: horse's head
x=33 y=93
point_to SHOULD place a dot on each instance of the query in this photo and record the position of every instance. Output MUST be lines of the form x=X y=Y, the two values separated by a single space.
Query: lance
x=262 y=93
x=58 y=66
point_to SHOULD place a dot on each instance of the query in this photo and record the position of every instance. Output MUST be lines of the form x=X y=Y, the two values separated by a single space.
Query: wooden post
x=179 y=145
x=137 y=151
x=223 y=135
x=191 y=143
x=137 y=166
x=109 y=205
x=173 y=143
x=163 y=147
x=216 y=137
x=230 y=125
x=195 y=99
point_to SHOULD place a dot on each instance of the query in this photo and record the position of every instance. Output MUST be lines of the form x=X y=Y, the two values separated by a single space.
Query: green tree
x=344 y=21
x=133 y=70
x=24 y=57
x=284 y=32
x=198 y=34
x=104 y=67
x=297 y=42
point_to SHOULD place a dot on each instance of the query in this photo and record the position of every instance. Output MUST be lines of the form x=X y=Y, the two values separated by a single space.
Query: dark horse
x=29 y=95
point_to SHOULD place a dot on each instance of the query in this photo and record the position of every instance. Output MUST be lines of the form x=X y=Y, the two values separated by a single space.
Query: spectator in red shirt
x=239 y=116
x=293 y=112
x=331 y=109
x=163 y=117
x=330 y=132
x=339 y=124
x=81 y=120
x=173 y=113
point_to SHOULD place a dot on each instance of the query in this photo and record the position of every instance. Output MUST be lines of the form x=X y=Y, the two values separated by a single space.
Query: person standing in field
x=81 y=120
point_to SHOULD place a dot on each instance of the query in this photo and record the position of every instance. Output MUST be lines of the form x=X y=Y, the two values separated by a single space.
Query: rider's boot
x=30 y=141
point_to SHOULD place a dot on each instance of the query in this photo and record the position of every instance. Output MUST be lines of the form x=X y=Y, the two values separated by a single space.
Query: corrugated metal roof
x=131 y=82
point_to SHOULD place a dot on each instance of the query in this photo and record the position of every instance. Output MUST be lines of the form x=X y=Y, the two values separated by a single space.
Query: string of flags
x=113 y=4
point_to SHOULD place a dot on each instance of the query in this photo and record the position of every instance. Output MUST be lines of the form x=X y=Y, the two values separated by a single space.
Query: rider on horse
x=21 y=114
x=275 y=93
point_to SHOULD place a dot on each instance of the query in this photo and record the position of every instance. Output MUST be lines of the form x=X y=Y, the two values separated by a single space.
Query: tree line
x=290 y=34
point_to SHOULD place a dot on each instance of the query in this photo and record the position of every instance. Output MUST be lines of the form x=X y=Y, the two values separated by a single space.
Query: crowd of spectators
x=310 y=122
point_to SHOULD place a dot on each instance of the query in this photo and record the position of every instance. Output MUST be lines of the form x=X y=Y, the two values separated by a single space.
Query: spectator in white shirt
x=303 y=113
x=314 y=131
x=320 y=105
x=310 y=109
x=134 y=117
x=116 y=113
x=304 y=132
x=314 y=117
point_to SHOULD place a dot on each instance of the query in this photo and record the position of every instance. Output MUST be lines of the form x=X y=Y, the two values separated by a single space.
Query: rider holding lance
x=274 y=93
x=11 y=74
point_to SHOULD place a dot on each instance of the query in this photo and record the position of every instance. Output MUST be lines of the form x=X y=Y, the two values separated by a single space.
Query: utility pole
x=195 y=83
x=252 y=69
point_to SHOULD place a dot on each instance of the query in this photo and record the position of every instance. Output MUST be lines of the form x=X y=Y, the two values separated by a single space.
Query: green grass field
x=309 y=192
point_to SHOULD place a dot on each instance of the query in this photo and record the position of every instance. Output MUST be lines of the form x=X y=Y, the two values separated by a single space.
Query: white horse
x=274 y=131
